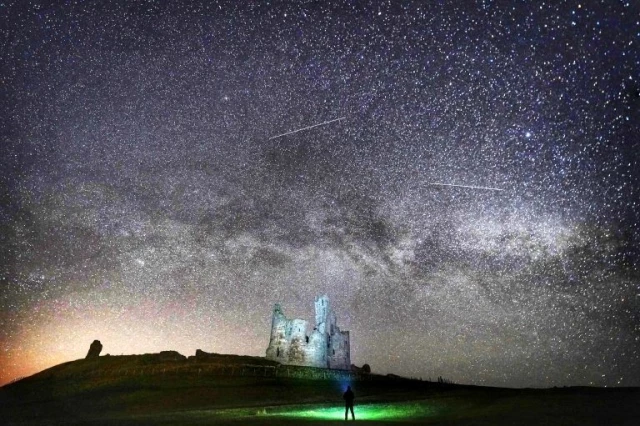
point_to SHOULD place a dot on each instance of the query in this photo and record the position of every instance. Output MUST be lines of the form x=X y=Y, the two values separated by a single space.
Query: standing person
x=349 y=396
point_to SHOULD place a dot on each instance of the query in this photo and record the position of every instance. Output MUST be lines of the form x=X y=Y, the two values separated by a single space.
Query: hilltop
x=170 y=389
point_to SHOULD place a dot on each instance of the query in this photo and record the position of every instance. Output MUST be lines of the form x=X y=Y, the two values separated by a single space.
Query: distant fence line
x=283 y=371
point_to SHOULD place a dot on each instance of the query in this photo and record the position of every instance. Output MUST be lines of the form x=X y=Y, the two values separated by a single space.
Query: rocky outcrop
x=171 y=356
x=202 y=355
x=94 y=350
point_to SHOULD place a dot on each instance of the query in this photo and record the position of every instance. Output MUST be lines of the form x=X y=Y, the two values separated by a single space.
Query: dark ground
x=74 y=394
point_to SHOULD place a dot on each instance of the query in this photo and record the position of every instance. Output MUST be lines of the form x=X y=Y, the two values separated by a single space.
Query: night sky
x=147 y=204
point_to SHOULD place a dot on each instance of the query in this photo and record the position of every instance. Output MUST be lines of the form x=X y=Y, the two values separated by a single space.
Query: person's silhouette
x=349 y=396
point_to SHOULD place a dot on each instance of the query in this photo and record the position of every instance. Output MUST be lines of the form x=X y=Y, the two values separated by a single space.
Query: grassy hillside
x=225 y=389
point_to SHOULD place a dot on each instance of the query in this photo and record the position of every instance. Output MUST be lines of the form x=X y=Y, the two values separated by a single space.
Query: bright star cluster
x=146 y=202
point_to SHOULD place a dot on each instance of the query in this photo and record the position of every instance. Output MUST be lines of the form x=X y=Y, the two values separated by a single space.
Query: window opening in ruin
x=277 y=351
x=306 y=338
x=334 y=351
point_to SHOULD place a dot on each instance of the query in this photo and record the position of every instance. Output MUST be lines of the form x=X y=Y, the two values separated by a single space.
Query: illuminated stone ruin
x=293 y=343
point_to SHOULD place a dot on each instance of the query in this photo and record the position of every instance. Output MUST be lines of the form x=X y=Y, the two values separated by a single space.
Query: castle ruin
x=293 y=343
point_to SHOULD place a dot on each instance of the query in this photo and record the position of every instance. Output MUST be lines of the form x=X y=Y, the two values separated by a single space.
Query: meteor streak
x=307 y=128
x=466 y=186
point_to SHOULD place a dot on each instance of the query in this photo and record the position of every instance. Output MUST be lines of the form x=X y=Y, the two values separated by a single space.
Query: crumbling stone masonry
x=293 y=343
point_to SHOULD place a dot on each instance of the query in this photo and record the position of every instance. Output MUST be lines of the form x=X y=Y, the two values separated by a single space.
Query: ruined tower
x=293 y=343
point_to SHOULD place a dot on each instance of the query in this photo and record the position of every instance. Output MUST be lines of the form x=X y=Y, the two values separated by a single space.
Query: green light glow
x=398 y=411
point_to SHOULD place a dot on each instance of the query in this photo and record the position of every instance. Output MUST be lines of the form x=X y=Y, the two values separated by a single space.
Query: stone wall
x=292 y=342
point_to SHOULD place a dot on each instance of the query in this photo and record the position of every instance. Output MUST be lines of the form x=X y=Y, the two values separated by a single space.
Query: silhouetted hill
x=171 y=389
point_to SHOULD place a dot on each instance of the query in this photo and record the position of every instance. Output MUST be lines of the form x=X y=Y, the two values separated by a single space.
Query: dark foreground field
x=77 y=393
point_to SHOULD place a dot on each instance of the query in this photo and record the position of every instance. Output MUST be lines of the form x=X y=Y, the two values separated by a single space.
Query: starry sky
x=146 y=202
